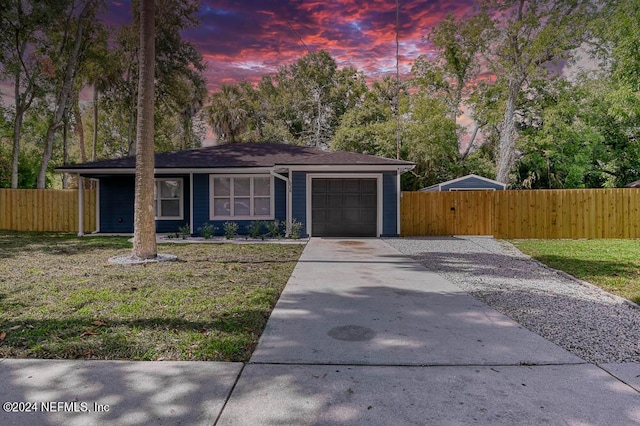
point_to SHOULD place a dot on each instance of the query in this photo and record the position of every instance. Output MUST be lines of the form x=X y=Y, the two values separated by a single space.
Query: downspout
x=80 y=205
x=288 y=200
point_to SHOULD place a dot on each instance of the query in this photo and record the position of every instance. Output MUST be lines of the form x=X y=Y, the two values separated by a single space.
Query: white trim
x=348 y=167
x=191 y=203
x=377 y=176
x=80 y=206
x=181 y=199
x=470 y=189
x=461 y=178
x=97 y=181
x=251 y=197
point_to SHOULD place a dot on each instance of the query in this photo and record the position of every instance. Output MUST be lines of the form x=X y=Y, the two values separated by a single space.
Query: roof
x=634 y=184
x=472 y=176
x=242 y=155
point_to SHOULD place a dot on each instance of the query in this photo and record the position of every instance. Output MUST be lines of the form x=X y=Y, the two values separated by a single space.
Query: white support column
x=191 y=225
x=80 y=205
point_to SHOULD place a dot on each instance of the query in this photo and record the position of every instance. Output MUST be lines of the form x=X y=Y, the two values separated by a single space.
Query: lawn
x=613 y=265
x=60 y=299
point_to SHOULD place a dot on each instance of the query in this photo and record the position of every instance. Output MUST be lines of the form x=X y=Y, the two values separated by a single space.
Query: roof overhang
x=231 y=170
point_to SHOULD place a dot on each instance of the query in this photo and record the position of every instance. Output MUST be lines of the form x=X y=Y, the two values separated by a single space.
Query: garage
x=344 y=207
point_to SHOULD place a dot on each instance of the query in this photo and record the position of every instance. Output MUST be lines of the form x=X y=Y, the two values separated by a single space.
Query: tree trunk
x=65 y=152
x=96 y=96
x=79 y=129
x=144 y=225
x=62 y=101
x=17 y=130
x=507 y=145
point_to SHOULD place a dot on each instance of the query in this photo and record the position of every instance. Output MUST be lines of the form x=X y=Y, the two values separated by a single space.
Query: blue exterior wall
x=201 y=203
x=117 y=195
x=299 y=200
x=389 y=204
x=116 y=204
x=389 y=201
x=471 y=182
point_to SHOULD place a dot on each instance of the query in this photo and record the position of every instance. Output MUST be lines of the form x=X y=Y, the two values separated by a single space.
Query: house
x=333 y=194
x=467 y=183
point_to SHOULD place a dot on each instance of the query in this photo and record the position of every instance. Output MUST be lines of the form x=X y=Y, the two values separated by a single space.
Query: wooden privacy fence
x=53 y=210
x=562 y=213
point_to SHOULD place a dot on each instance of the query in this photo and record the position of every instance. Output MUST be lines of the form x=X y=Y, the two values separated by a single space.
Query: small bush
x=296 y=229
x=206 y=231
x=184 y=231
x=230 y=230
x=274 y=229
x=255 y=229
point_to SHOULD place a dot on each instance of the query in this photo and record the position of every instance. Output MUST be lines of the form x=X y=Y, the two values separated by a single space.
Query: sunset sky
x=245 y=39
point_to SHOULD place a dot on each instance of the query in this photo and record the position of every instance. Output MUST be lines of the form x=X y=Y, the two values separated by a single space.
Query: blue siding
x=201 y=195
x=389 y=204
x=471 y=182
x=117 y=195
x=200 y=201
x=299 y=200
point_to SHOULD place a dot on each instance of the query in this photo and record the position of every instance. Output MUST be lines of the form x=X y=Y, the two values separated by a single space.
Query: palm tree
x=144 y=226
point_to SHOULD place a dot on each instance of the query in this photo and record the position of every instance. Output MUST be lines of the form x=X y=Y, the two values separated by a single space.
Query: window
x=241 y=197
x=168 y=197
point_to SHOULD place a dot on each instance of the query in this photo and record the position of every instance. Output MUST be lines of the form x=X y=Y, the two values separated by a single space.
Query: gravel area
x=583 y=319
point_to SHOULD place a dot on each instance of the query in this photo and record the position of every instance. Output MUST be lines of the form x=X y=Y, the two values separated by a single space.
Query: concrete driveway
x=363 y=335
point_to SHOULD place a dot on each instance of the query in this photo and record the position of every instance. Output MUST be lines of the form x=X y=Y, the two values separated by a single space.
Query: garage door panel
x=344 y=207
x=369 y=201
x=352 y=200
x=319 y=185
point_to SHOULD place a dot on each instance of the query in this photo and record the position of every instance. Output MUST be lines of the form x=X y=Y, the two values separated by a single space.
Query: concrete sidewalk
x=360 y=335
x=363 y=335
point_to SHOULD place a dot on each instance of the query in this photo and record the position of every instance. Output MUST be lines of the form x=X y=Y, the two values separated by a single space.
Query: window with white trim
x=241 y=197
x=168 y=197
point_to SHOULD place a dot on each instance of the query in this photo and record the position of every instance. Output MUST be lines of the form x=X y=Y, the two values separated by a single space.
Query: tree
x=530 y=35
x=20 y=44
x=453 y=73
x=144 y=225
x=64 y=59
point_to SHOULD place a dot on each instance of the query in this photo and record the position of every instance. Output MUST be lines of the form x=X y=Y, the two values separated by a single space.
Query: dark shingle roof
x=244 y=155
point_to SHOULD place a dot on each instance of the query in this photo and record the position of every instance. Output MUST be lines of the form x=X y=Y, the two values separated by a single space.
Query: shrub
x=207 y=231
x=274 y=229
x=296 y=229
x=230 y=230
x=184 y=231
x=255 y=229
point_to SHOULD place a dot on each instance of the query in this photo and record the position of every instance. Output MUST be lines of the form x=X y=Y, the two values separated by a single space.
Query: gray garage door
x=344 y=207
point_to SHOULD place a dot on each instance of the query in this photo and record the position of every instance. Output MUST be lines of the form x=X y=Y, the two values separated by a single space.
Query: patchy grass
x=60 y=299
x=613 y=265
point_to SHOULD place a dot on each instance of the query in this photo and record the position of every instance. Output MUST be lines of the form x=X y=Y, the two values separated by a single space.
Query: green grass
x=60 y=299
x=613 y=265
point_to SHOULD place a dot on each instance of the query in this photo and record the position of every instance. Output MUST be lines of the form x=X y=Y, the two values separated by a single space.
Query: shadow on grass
x=15 y=243
x=230 y=336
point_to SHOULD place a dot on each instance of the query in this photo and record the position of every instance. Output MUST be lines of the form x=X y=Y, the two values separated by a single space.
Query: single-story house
x=467 y=183
x=333 y=194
